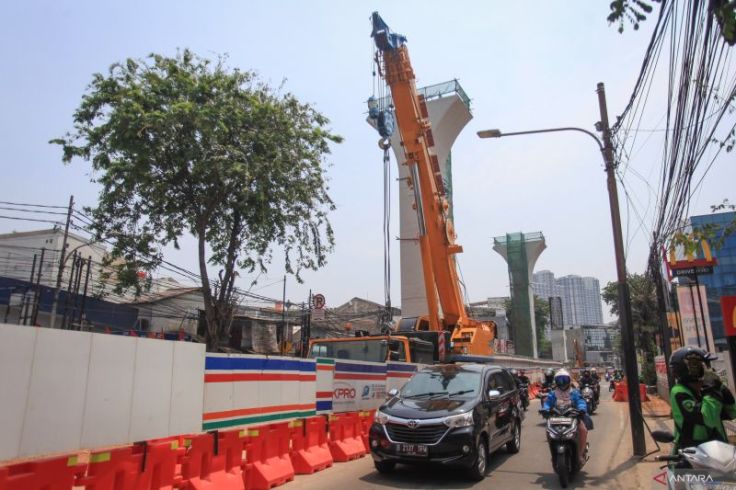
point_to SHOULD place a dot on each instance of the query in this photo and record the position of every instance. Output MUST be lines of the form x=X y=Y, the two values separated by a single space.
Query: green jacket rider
x=699 y=401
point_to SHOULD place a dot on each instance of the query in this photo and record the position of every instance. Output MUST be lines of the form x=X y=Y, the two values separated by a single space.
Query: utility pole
x=627 y=329
x=284 y=338
x=37 y=296
x=61 y=262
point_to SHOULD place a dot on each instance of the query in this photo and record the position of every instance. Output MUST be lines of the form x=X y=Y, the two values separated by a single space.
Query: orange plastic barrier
x=267 y=457
x=114 y=469
x=309 y=449
x=622 y=394
x=366 y=420
x=346 y=441
x=46 y=474
x=533 y=390
x=202 y=469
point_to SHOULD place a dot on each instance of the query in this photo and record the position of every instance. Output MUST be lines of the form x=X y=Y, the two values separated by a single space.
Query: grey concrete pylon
x=449 y=113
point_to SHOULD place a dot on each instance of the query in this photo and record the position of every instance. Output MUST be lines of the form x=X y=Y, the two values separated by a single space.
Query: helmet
x=514 y=372
x=586 y=372
x=688 y=363
x=562 y=379
x=549 y=373
x=594 y=371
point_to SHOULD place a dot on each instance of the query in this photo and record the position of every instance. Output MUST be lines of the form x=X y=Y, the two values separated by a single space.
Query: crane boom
x=436 y=232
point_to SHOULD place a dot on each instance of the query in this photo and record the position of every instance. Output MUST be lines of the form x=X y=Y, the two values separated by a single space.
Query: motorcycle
x=542 y=395
x=524 y=395
x=562 y=437
x=588 y=394
x=708 y=465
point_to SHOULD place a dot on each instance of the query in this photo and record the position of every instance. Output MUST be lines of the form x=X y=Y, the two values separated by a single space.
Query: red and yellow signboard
x=690 y=265
x=728 y=307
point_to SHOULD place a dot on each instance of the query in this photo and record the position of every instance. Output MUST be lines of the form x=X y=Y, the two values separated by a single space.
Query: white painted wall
x=64 y=390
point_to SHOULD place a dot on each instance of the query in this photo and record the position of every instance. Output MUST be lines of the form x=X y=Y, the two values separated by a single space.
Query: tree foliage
x=636 y=11
x=645 y=317
x=541 y=319
x=185 y=145
x=714 y=234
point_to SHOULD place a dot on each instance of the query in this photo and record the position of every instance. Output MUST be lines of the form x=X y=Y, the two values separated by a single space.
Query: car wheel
x=478 y=471
x=385 y=466
x=514 y=445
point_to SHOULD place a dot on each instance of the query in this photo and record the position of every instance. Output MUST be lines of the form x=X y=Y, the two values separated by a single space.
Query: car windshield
x=450 y=381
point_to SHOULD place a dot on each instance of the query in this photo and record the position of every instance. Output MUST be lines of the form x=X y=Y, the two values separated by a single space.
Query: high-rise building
x=581 y=301
x=544 y=285
x=581 y=296
x=723 y=280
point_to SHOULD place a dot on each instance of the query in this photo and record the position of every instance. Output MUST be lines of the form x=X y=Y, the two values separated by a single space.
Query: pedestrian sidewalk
x=656 y=407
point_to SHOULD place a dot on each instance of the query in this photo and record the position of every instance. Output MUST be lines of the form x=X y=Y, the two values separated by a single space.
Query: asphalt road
x=608 y=466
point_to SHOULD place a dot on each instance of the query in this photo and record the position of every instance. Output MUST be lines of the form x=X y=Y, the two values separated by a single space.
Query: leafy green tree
x=541 y=319
x=636 y=11
x=715 y=235
x=185 y=145
x=644 y=317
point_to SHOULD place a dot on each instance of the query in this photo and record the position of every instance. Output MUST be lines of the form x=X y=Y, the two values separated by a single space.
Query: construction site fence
x=67 y=391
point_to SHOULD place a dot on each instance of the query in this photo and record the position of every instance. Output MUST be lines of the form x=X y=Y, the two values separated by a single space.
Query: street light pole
x=625 y=316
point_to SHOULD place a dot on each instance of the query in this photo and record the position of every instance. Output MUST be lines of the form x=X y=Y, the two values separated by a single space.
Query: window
x=504 y=381
x=450 y=380
x=356 y=350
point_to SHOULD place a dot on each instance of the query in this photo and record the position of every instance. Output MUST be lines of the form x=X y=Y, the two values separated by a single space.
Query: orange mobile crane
x=436 y=232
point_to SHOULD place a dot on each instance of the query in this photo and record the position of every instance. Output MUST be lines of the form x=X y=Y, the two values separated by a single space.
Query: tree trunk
x=211 y=333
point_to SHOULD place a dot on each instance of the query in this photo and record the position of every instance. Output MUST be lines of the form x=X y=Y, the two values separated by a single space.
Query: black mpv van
x=449 y=414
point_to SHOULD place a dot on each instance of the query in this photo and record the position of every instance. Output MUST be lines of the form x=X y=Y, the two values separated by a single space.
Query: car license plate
x=413 y=449
x=560 y=421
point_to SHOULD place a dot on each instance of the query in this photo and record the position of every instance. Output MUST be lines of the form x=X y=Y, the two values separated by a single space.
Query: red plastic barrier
x=202 y=469
x=149 y=466
x=622 y=394
x=346 y=441
x=161 y=463
x=46 y=474
x=267 y=457
x=114 y=469
x=533 y=390
x=309 y=449
x=366 y=420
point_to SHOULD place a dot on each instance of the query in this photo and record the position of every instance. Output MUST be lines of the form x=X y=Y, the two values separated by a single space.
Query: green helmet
x=688 y=363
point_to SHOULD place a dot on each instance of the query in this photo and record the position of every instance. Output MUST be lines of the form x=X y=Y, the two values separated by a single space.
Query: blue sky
x=525 y=65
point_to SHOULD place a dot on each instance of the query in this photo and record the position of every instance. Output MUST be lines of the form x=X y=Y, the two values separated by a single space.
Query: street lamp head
x=490 y=133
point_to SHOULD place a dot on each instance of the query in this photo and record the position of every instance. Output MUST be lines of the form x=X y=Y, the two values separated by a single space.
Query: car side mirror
x=663 y=436
x=393 y=392
x=494 y=394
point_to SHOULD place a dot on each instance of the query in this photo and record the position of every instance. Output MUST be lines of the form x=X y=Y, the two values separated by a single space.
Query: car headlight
x=462 y=420
x=380 y=418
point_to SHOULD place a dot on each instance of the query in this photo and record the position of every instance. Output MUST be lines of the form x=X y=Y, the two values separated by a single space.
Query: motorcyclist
x=699 y=400
x=596 y=383
x=585 y=378
x=521 y=381
x=564 y=394
x=549 y=379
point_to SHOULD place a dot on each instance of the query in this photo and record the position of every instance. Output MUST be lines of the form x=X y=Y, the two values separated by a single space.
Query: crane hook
x=384 y=143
